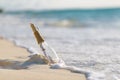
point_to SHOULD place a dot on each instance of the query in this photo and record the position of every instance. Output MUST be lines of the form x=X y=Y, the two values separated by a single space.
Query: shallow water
x=91 y=45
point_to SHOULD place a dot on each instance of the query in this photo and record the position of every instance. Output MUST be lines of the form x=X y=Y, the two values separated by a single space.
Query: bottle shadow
x=17 y=65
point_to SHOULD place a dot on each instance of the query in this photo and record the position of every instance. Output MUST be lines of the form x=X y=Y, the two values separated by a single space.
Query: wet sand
x=11 y=58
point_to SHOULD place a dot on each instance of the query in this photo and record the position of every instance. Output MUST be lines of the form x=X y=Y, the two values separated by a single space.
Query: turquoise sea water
x=87 y=39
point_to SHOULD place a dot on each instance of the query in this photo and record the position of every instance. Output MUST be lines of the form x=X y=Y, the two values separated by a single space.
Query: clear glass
x=49 y=52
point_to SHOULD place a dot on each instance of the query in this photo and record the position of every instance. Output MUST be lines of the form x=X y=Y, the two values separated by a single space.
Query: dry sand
x=11 y=58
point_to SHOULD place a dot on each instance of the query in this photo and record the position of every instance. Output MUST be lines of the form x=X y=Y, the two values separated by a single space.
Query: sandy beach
x=12 y=56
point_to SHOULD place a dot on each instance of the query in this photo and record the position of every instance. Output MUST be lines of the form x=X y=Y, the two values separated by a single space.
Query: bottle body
x=49 y=53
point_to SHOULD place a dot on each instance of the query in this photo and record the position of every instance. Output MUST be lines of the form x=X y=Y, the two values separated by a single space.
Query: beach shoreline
x=12 y=55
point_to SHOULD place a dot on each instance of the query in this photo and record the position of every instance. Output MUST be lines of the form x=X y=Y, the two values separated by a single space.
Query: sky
x=57 y=4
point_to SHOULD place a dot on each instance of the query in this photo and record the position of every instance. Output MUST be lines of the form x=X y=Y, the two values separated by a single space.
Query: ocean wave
x=72 y=17
x=56 y=11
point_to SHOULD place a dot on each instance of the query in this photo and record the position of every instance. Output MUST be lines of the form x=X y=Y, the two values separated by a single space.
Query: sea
x=88 y=39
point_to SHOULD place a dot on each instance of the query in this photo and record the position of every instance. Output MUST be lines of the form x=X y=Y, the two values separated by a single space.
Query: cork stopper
x=37 y=35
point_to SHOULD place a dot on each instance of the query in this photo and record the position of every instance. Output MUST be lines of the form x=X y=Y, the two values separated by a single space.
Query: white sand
x=11 y=58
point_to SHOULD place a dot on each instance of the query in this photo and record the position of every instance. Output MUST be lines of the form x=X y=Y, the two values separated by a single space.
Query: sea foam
x=90 y=75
